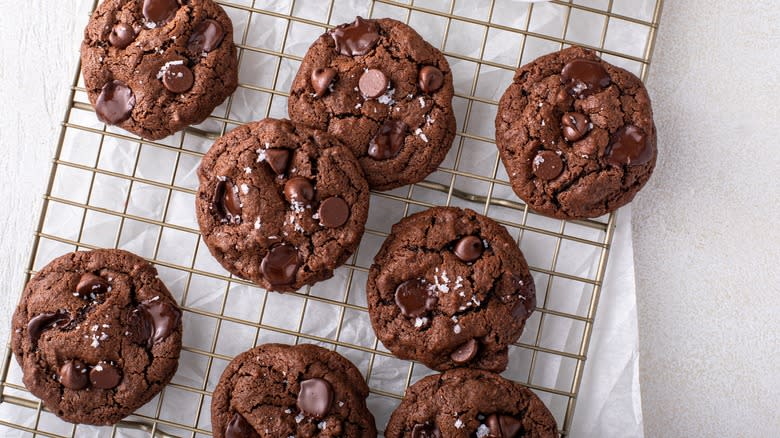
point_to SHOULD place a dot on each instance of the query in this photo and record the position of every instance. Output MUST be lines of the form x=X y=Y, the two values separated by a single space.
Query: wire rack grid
x=110 y=189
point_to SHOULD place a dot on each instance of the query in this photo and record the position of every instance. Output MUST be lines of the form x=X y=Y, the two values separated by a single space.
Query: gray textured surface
x=705 y=229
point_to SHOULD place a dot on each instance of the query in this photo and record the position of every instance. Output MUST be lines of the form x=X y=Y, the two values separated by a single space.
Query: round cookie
x=470 y=403
x=576 y=135
x=276 y=390
x=382 y=90
x=450 y=288
x=154 y=67
x=97 y=335
x=280 y=204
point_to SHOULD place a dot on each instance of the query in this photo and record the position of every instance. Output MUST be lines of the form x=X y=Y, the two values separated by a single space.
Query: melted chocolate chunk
x=240 y=428
x=574 y=126
x=315 y=397
x=426 y=431
x=226 y=202
x=583 y=77
x=321 y=79
x=115 y=103
x=121 y=35
x=414 y=298
x=45 y=321
x=153 y=321
x=547 y=165
x=178 y=78
x=469 y=248
x=333 y=212
x=629 y=146
x=73 y=375
x=504 y=426
x=280 y=265
x=430 y=79
x=206 y=37
x=465 y=353
x=357 y=38
x=278 y=159
x=160 y=11
x=373 y=83
x=91 y=285
x=387 y=143
x=298 y=190
x=105 y=376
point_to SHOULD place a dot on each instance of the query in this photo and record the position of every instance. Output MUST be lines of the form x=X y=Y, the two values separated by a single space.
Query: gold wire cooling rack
x=126 y=192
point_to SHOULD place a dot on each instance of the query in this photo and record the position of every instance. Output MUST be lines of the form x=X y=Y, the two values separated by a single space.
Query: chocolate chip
x=373 y=83
x=356 y=38
x=240 y=428
x=430 y=79
x=315 y=397
x=278 y=159
x=547 y=165
x=153 y=321
x=469 y=248
x=426 y=431
x=583 y=77
x=104 y=375
x=115 y=102
x=321 y=79
x=226 y=202
x=177 y=78
x=333 y=212
x=465 y=352
x=280 y=265
x=90 y=285
x=298 y=190
x=527 y=293
x=44 y=321
x=206 y=37
x=574 y=126
x=629 y=145
x=503 y=426
x=73 y=375
x=414 y=299
x=160 y=11
x=389 y=140
x=121 y=35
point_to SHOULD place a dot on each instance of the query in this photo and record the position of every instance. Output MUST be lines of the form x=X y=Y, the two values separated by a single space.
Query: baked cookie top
x=280 y=204
x=382 y=90
x=450 y=288
x=276 y=390
x=154 y=67
x=576 y=135
x=97 y=335
x=470 y=403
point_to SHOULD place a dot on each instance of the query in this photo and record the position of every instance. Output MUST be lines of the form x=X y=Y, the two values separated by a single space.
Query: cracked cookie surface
x=97 y=335
x=276 y=390
x=576 y=135
x=382 y=90
x=470 y=403
x=154 y=67
x=450 y=288
x=281 y=204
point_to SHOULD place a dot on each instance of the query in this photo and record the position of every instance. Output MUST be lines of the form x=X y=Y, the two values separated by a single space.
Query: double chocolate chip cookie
x=450 y=288
x=576 y=135
x=470 y=403
x=278 y=391
x=382 y=90
x=154 y=67
x=97 y=335
x=280 y=204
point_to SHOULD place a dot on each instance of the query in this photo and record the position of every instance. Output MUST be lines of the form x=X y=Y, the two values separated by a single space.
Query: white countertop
x=705 y=228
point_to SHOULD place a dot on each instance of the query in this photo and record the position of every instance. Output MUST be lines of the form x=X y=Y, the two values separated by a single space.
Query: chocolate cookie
x=470 y=403
x=278 y=391
x=281 y=204
x=576 y=135
x=154 y=67
x=97 y=335
x=377 y=86
x=450 y=288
